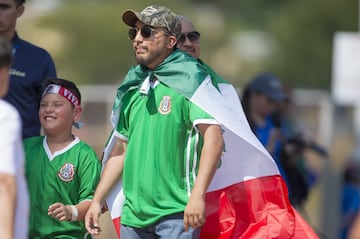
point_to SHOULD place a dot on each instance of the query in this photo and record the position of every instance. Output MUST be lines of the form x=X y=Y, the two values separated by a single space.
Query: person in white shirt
x=13 y=190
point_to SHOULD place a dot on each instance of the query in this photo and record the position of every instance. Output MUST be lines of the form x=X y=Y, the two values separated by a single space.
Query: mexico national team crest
x=66 y=172
x=165 y=105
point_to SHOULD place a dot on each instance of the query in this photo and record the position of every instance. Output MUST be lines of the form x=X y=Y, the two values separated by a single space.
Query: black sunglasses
x=145 y=31
x=192 y=36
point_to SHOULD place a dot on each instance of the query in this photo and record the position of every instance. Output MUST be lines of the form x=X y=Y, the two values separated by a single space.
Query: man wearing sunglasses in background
x=189 y=42
x=161 y=140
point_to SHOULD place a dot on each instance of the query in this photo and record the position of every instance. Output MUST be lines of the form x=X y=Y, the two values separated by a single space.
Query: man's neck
x=10 y=35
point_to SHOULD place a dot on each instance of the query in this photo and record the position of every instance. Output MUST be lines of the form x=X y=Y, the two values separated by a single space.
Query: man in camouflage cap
x=155 y=16
x=161 y=140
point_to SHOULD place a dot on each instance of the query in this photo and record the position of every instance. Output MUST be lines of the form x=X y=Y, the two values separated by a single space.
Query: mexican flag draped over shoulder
x=247 y=197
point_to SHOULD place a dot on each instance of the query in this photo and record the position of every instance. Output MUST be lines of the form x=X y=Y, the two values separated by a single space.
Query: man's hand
x=92 y=218
x=194 y=214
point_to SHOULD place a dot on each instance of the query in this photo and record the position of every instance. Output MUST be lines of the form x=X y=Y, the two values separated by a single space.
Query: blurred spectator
x=292 y=156
x=31 y=66
x=260 y=101
x=269 y=110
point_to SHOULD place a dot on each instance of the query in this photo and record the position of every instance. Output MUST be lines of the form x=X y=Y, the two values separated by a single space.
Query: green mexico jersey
x=69 y=176
x=162 y=155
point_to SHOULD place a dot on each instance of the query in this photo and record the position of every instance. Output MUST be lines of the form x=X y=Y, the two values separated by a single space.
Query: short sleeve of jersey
x=88 y=173
x=198 y=115
x=123 y=124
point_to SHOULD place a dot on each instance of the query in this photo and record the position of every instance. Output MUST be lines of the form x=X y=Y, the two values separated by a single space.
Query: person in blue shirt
x=260 y=99
x=30 y=67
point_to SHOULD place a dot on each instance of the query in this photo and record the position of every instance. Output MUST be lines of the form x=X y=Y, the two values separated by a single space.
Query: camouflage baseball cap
x=155 y=16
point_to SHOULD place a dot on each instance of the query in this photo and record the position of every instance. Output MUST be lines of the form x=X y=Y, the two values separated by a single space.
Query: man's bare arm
x=111 y=174
x=8 y=203
x=194 y=214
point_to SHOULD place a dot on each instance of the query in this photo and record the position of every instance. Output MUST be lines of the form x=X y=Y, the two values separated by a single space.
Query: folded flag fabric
x=247 y=197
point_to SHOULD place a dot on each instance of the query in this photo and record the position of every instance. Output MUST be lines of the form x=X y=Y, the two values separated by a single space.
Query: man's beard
x=148 y=59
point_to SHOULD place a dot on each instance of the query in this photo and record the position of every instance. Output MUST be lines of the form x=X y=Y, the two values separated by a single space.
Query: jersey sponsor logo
x=66 y=172
x=15 y=72
x=165 y=105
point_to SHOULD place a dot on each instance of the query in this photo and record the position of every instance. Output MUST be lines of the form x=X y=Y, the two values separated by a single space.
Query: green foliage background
x=95 y=48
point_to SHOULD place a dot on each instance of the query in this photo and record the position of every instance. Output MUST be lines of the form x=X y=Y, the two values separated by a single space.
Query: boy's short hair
x=5 y=52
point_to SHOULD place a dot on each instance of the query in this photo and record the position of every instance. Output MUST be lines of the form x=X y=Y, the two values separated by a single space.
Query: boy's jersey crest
x=66 y=172
x=165 y=105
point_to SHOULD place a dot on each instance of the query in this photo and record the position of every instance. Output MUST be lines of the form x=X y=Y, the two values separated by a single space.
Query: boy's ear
x=77 y=113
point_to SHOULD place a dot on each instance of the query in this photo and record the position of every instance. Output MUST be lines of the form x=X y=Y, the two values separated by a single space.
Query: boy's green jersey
x=69 y=176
